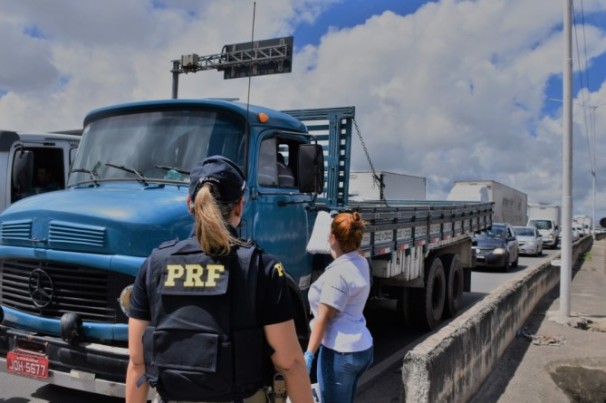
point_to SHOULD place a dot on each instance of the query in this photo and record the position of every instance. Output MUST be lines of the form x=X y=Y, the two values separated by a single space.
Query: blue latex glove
x=309 y=360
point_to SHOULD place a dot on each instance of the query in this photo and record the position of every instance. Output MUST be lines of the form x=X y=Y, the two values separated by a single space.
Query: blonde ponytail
x=211 y=225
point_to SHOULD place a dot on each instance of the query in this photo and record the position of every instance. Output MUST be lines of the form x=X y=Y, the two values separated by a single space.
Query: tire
x=403 y=306
x=506 y=267
x=427 y=303
x=515 y=262
x=454 y=284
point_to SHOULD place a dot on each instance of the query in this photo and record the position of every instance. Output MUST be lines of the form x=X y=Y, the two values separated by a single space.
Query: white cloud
x=454 y=91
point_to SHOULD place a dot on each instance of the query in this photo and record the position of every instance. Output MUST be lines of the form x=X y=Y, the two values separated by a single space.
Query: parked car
x=530 y=241
x=496 y=247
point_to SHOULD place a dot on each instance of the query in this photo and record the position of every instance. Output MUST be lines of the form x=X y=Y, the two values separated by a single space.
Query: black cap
x=222 y=172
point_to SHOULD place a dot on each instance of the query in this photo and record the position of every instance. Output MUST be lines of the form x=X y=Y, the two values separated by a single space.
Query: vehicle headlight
x=499 y=251
x=124 y=299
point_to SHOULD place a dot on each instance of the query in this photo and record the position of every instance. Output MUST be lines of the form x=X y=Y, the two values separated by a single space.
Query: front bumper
x=549 y=243
x=526 y=249
x=89 y=367
x=491 y=260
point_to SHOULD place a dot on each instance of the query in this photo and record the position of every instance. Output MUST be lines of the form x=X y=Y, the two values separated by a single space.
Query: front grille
x=90 y=293
x=484 y=252
x=16 y=230
x=71 y=233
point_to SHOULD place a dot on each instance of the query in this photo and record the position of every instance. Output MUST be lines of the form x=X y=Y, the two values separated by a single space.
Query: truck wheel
x=427 y=303
x=454 y=284
x=403 y=305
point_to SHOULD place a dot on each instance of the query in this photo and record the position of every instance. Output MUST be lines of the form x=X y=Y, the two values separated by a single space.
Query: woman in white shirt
x=337 y=299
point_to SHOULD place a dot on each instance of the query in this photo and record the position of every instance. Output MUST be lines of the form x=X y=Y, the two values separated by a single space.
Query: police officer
x=191 y=331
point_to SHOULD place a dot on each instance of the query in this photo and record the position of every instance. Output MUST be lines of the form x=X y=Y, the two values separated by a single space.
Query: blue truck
x=68 y=258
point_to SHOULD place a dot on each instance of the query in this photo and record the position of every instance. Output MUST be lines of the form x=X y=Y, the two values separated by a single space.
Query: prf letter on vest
x=191 y=275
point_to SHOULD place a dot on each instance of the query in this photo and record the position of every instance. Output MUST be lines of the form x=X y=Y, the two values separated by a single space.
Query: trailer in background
x=395 y=186
x=510 y=205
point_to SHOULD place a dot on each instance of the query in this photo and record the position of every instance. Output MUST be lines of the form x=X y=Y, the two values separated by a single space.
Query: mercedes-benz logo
x=41 y=288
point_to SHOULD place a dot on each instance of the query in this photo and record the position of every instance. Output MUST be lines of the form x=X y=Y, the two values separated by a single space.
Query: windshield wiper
x=140 y=176
x=93 y=174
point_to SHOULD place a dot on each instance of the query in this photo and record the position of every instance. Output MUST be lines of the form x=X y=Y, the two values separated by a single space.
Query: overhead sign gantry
x=249 y=59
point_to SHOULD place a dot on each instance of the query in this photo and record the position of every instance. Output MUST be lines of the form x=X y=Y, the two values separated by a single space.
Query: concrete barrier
x=450 y=365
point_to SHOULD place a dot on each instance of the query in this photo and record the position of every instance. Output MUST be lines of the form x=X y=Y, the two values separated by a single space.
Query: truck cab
x=548 y=229
x=33 y=163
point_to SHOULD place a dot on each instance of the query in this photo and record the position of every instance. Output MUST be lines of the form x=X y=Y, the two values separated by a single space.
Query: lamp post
x=566 y=244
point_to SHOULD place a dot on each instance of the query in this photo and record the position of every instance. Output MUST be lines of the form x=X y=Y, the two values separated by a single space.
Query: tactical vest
x=204 y=342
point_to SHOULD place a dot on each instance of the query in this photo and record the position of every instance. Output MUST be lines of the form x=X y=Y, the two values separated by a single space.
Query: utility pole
x=593 y=161
x=566 y=245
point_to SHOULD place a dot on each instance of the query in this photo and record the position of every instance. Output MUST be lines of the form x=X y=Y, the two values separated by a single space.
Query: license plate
x=29 y=365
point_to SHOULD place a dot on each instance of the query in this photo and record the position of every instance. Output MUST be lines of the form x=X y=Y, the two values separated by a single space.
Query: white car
x=576 y=234
x=530 y=241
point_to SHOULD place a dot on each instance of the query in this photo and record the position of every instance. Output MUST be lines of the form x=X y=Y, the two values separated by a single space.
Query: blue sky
x=448 y=90
x=351 y=13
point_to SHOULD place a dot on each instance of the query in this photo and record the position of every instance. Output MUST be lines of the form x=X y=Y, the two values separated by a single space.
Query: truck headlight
x=124 y=299
x=499 y=251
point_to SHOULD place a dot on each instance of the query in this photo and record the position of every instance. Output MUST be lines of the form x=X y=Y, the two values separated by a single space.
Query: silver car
x=530 y=241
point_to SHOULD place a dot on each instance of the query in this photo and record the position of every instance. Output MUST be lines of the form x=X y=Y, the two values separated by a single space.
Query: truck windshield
x=541 y=224
x=495 y=232
x=158 y=146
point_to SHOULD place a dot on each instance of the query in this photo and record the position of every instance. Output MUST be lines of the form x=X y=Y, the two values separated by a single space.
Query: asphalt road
x=382 y=383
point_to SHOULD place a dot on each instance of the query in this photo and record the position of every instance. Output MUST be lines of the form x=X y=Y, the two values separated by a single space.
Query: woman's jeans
x=338 y=373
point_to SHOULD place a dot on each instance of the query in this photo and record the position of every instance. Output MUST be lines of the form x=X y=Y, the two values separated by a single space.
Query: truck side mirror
x=311 y=168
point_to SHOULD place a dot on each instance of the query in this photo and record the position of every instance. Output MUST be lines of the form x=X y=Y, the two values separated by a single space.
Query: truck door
x=36 y=163
x=280 y=222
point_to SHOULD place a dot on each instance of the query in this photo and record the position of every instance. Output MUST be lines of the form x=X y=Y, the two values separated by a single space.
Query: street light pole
x=566 y=244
